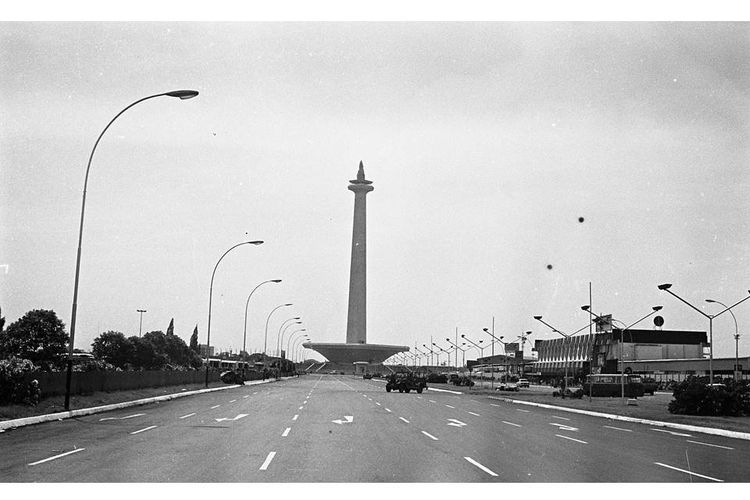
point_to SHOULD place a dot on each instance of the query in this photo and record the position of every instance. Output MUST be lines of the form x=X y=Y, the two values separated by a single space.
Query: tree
x=113 y=348
x=2 y=321
x=178 y=351
x=38 y=336
x=170 y=328
x=144 y=355
x=194 y=341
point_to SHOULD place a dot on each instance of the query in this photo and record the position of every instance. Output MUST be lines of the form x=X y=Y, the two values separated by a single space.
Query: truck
x=405 y=382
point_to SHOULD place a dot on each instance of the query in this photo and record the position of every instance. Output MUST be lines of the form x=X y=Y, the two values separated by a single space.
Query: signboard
x=511 y=347
x=604 y=324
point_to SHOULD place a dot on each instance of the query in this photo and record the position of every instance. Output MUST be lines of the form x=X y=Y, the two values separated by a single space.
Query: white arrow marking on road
x=122 y=418
x=349 y=420
x=673 y=433
x=564 y=427
x=455 y=423
x=241 y=415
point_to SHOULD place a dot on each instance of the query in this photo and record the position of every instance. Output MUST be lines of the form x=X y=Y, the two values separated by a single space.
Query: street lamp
x=463 y=352
x=666 y=288
x=431 y=353
x=265 y=338
x=210 y=297
x=447 y=361
x=481 y=349
x=289 y=340
x=294 y=344
x=181 y=94
x=655 y=309
x=736 y=339
x=140 y=327
x=282 y=331
x=566 y=342
x=492 y=364
x=244 y=334
x=523 y=338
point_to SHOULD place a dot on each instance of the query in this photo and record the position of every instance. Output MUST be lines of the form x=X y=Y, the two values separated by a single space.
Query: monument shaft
x=356 y=324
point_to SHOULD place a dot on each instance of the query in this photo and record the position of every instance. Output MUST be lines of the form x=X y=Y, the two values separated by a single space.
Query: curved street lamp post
x=265 y=337
x=244 y=334
x=566 y=343
x=282 y=331
x=181 y=94
x=737 y=371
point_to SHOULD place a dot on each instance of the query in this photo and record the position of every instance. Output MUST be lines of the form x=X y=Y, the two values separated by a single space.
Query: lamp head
x=657 y=308
x=485 y=330
x=585 y=308
x=529 y=333
x=538 y=318
x=275 y=281
x=183 y=94
x=463 y=336
x=710 y=300
x=667 y=286
x=288 y=304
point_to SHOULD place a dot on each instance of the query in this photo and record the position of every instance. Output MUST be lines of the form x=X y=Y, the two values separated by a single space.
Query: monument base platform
x=353 y=353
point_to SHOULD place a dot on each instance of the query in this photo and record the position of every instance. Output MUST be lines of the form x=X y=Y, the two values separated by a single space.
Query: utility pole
x=140 y=328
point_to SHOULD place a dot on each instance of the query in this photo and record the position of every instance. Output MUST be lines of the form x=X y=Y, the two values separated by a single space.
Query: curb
x=655 y=423
x=38 y=419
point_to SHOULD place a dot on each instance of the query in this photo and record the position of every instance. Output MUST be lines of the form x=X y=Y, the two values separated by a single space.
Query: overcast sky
x=486 y=142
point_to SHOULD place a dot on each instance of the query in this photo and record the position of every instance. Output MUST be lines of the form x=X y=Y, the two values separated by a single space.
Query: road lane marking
x=245 y=397
x=295 y=417
x=449 y=406
x=402 y=418
x=563 y=427
x=672 y=433
x=419 y=397
x=475 y=414
x=57 y=456
x=223 y=419
x=572 y=439
x=377 y=403
x=268 y=461
x=493 y=404
x=256 y=392
x=511 y=423
x=688 y=472
x=232 y=401
x=561 y=418
x=214 y=407
x=121 y=418
x=188 y=415
x=286 y=432
x=444 y=390
x=617 y=428
x=431 y=401
x=709 y=444
x=474 y=401
x=455 y=423
x=301 y=407
x=144 y=430
x=485 y=469
x=389 y=411
x=525 y=411
x=429 y=435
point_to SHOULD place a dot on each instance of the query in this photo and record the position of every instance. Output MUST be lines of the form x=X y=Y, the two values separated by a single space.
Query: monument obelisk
x=356 y=324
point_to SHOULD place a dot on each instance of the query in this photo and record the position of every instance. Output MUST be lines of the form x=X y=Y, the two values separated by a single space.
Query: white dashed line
x=245 y=397
x=268 y=461
x=570 y=438
x=57 y=456
x=389 y=411
x=493 y=404
x=188 y=415
x=377 y=403
x=402 y=418
x=144 y=430
x=256 y=392
x=295 y=417
x=511 y=423
x=472 y=413
x=429 y=435
x=232 y=401
x=431 y=401
x=301 y=407
x=561 y=418
x=214 y=407
x=672 y=433
x=709 y=444
x=485 y=469
x=525 y=411
x=449 y=406
x=617 y=428
x=688 y=472
x=286 y=432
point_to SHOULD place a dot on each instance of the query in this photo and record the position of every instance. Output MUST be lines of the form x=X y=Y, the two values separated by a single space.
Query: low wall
x=53 y=383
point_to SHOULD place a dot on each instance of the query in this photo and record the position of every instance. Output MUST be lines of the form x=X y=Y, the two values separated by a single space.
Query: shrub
x=13 y=385
x=693 y=396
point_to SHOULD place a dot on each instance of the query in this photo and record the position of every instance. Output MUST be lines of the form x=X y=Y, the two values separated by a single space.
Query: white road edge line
x=572 y=439
x=429 y=435
x=511 y=423
x=286 y=432
x=688 y=472
x=268 y=461
x=617 y=428
x=188 y=415
x=485 y=469
x=144 y=430
x=709 y=444
x=57 y=456
x=402 y=418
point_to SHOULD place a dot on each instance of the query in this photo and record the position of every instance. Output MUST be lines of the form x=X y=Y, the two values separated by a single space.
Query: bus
x=611 y=385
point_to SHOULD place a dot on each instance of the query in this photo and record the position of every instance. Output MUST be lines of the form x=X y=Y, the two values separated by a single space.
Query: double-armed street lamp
x=282 y=332
x=523 y=338
x=736 y=339
x=180 y=94
x=265 y=337
x=210 y=297
x=448 y=360
x=566 y=343
x=432 y=353
x=654 y=310
x=492 y=364
x=244 y=333
x=479 y=347
x=463 y=353
x=666 y=288
x=140 y=326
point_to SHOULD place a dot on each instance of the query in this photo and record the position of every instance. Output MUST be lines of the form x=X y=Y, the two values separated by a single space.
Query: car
x=367 y=376
x=522 y=382
x=507 y=386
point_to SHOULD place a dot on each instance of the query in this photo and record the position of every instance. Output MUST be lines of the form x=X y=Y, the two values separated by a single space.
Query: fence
x=53 y=383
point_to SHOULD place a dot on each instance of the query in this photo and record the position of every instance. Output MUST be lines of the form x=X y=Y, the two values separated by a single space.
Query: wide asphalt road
x=322 y=428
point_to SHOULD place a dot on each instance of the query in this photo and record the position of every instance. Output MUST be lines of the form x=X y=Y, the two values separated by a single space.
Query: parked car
x=507 y=386
x=435 y=378
x=522 y=382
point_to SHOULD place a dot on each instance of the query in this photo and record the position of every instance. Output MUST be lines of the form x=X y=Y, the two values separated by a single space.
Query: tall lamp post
x=181 y=94
x=655 y=309
x=666 y=288
x=736 y=340
x=448 y=360
x=298 y=339
x=210 y=297
x=282 y=331
x=479 y=347
x=265 y=337
x=523 y=338
x=492 y=365
x=463 y=353
x=432 y=353
x=140 y=326
x=566 y=343
x=244 y=334
x=289 y=339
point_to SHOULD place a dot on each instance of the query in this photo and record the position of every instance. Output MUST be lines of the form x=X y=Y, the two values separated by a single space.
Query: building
x=206 y=351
